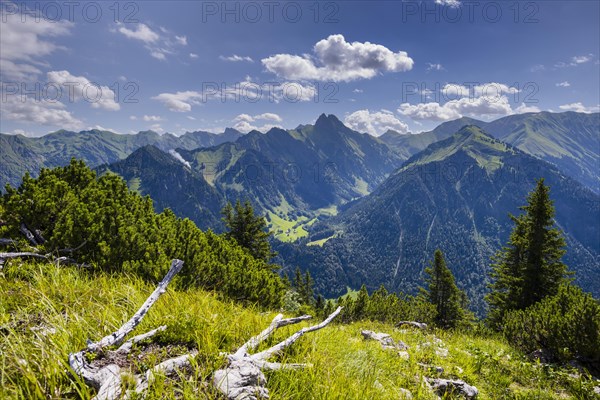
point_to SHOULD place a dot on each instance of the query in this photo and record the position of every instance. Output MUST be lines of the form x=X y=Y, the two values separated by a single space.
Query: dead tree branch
x=243 y=379
x=107 y=380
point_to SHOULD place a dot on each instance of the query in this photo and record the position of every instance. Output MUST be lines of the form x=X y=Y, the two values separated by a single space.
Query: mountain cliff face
x=20 y=154
x=456 y=196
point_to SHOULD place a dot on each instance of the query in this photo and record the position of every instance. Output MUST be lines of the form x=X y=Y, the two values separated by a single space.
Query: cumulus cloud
x=563 y=84
x=579 y=107
x=80 y=88
x=193 y=55
x=179 y=101
x=244 y=122
x=42 y=112
x=429 y=111
x=476 y=100
x=524 y=108
x=236 y=58
x=335 y=59
x=375 y=123
x=24 y=41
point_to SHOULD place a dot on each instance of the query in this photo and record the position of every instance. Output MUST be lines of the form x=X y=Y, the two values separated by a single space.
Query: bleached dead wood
x=107 y=380
x=243 y=378
x=49 y=257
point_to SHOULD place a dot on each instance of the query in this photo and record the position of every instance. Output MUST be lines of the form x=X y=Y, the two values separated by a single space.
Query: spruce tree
x=443 y=293
x=361 y=305
x=529 y=267
x=248 y=230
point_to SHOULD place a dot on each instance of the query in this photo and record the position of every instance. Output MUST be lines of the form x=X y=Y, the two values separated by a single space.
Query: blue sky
x=187 y=65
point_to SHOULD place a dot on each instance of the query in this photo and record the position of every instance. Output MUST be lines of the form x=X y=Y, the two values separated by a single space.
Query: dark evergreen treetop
x=529 y=267
x=248 y=230
x=443 y=293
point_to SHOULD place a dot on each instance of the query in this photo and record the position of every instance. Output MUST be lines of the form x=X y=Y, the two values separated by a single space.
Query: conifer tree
x=443 y=293
x=361 y=305
x=248 y=230
x=529 y=267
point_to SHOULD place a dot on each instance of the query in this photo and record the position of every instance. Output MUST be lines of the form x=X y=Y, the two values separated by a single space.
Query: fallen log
x=242 y=378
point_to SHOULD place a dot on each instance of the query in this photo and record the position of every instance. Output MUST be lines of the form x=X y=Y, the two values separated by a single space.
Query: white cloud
x=133 y=117
x=357 y=91
x=563 y=84
x=42 y=112
x=479 y=101
x=80 y=88
x=579 y=107
x=154 y=118
x=191 y=118
x=193 y=55
x=140 y=32
x=158 y=44
x=449 y=3
x=268 y=116
x=338 y=60
x=575 y=61
x=101 y=128
x=251 y=92
x=581 y=59
x=158 y=55
x=490 y=90
x=236 y=58
x=156 y=128
x=435 y=67
x=243 y=122
x=524 y=108
x=24 y=43
x=375 y=123
x=428 y=111
x=180 y=101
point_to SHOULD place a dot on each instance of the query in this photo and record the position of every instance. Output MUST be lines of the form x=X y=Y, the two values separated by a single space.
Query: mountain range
x=20 y=154
x=356 y=208
x=455 y=195
x=569 y=140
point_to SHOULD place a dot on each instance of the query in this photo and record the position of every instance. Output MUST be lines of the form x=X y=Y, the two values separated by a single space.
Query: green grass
x=46 y=312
